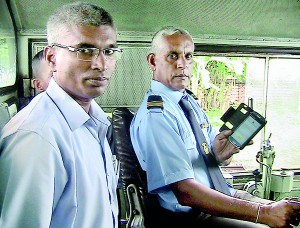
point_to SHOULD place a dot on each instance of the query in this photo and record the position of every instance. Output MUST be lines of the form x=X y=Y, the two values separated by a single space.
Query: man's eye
x=86 y=51
x=189 y=56
x=108 y=51
x=173 y=56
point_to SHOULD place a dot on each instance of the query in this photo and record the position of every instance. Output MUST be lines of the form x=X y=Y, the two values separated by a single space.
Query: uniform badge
x=205 y=147
x=204 y=124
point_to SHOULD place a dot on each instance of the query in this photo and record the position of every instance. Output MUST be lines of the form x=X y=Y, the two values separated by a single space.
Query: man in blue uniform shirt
x=166 y=149
x=56 y=166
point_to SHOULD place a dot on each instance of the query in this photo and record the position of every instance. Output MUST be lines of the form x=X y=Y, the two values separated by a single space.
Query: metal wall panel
x=130 y=81
x=236 y=19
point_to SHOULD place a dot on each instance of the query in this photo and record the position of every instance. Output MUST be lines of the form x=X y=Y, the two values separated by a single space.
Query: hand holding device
x=244 y=122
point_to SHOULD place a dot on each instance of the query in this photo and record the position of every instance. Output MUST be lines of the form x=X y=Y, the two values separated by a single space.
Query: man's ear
x=38 y=85
x=49 y=56
x=151 y=61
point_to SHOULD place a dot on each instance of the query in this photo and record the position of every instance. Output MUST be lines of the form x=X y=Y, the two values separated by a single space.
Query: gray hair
x=166 y=31
x=76 y=14
x=36 y=61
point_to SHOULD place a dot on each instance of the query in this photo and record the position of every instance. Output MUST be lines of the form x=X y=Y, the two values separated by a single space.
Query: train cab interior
x=245 y=52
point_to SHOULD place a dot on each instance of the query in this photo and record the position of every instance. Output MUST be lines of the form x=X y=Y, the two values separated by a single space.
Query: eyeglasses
x=90 y=54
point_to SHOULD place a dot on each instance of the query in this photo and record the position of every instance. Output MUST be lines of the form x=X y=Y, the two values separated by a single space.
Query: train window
x=273 y=84
x=283 y=110
x=7 y=48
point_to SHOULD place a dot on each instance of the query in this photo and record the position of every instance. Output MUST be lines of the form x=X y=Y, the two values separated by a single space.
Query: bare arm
x=193 y=194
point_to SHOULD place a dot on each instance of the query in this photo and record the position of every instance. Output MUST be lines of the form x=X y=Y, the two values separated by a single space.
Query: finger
x=295 y=204
x=233 y=146
x=224 y=134
x=297 y=199
x=237 y=150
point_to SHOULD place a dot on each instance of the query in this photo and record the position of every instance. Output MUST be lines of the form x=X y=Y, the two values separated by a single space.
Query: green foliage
x=215 y=78
x=214 y=116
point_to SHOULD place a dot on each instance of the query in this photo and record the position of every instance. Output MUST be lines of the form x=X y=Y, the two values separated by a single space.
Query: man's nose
x=100 y=62
x=181 y=63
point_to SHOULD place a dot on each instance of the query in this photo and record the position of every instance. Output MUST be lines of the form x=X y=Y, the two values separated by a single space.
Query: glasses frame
x=95 y=54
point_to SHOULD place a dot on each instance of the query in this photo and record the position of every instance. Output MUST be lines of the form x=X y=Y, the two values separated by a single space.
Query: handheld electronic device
x=251 y=125
x=244 y=122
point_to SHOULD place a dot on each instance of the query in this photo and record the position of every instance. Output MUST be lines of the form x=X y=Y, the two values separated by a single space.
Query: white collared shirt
x=53 y=166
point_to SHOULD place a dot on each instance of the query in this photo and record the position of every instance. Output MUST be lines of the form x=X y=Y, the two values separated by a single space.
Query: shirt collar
x=68 y=106
x=174 y=95
x=97 y=112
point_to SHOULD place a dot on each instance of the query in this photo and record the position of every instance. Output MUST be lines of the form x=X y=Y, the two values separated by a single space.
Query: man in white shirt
x=56 y=166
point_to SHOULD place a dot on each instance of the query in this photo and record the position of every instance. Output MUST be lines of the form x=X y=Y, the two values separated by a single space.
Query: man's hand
x=223 y=149
x=284 y=213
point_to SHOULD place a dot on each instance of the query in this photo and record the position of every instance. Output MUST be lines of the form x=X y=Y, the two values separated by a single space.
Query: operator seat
x=141 y=207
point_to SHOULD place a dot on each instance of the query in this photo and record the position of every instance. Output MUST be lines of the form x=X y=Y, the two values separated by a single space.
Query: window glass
x=7 y=48
x=283 y=111
x=274 y=86
x=255 y=89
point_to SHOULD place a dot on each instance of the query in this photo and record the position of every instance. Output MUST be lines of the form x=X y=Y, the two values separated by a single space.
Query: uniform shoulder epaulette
x=155 y=101
x=191 y=93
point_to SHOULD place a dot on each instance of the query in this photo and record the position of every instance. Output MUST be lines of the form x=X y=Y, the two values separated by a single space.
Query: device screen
x=245 y=131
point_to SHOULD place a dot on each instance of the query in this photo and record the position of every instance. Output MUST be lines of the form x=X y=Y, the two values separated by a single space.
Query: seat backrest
x=139 y=204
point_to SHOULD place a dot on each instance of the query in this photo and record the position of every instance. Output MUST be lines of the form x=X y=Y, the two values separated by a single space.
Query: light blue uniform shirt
x=165 y=144
x=52 y=166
